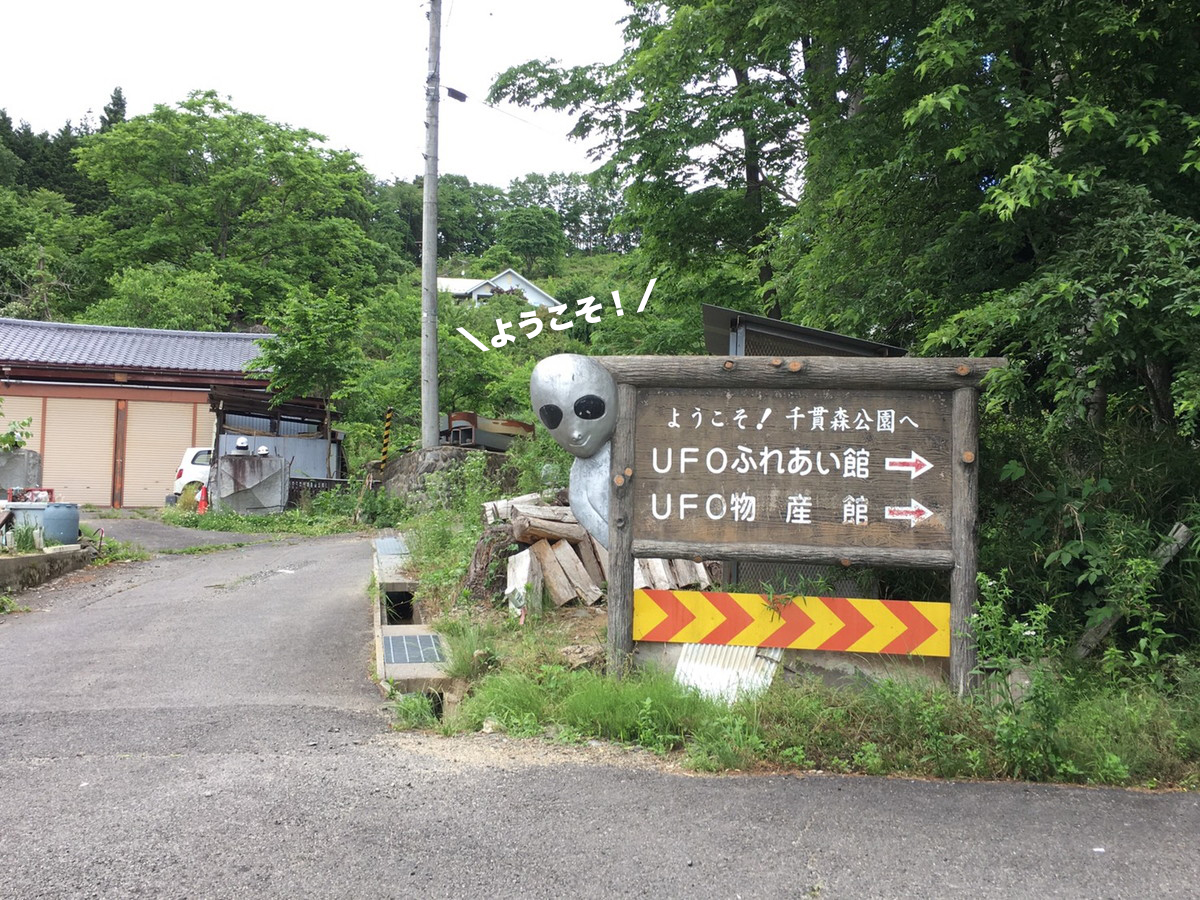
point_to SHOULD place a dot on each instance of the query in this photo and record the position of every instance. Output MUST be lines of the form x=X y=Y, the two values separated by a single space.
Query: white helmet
x=243 y=443
x=263 y=451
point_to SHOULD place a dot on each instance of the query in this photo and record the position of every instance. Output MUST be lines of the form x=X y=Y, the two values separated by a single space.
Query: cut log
x=483 y=581
x=640 y=578
x=555 y=580
x=688 y=573
x=528 y=531
x=601 y=556
x=659 y=574
x=542 y=511
x=585 y=589
x=501 y=510
x=587 y=556
x=524 y=585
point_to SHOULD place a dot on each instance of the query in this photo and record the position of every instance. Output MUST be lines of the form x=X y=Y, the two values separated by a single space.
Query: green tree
x=587 y=206
x=45 y=272
x=702 y=117
x=535 y=235
x=396 y=218
x=114 y=110
x=467 y=215
x=205 y=186
x=1021 y=180
x=162 y=295
x=312 y=352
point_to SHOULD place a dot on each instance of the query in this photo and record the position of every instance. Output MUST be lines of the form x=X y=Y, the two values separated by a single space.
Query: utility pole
x=430 y=425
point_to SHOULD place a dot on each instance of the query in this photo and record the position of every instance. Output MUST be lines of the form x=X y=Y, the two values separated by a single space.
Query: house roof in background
x=30 y=349
x=464 y=287
x=461 y=286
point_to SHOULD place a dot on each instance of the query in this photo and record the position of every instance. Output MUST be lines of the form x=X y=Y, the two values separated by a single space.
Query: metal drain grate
x=410 y=649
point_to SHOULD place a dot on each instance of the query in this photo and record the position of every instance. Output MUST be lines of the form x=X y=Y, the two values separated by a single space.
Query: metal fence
x=299 y=488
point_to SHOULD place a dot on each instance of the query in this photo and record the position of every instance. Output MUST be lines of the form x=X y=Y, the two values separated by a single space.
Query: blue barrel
x=60 y=523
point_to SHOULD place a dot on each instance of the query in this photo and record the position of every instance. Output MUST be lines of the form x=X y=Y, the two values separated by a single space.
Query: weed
x=111 y=551
x=413 y=712
x=868 y=759
x=725 y=743
x=470 y=649
x=796 y=757
x=9 y=605
x=188 y=498
x=1025 y=688
x=516 y=702
x=290 y=521
x=200 y=551
x=25 y=538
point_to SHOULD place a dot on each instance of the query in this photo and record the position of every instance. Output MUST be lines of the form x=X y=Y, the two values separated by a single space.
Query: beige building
x=114 y=408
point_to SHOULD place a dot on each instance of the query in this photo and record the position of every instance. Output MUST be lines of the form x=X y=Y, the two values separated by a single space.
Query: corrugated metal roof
x=104 y=346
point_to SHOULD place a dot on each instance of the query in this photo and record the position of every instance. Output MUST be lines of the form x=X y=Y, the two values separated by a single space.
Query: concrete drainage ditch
x=409 y=655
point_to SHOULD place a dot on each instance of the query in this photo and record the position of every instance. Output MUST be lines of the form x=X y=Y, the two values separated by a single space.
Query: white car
x=193 y=469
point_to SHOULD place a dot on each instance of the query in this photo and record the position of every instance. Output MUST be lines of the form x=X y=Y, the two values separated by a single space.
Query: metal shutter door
x=18 y=408
x=78 y=462
x=206 y=424
x=155 y=437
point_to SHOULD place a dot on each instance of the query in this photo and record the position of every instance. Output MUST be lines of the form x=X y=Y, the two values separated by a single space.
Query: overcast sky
x=352 y=70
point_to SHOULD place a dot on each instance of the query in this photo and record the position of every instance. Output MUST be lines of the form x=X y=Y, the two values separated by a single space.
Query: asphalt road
x=205 y=726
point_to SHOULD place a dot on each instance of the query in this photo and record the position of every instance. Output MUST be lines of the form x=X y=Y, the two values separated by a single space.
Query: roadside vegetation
x=110 y=551
x=345 y=509
x=1130 y=716
x=9 y=605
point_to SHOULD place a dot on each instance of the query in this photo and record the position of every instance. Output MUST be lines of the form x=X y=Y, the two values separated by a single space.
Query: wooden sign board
x=835 y=460
x=818 y=468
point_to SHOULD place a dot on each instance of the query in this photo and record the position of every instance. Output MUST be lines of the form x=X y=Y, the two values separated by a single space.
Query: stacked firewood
x=560 y=561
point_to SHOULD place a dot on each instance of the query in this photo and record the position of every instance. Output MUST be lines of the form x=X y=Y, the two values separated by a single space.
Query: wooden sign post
x=832 y=460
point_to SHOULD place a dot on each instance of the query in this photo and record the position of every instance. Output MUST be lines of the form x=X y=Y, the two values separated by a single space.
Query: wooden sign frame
x=960 y=378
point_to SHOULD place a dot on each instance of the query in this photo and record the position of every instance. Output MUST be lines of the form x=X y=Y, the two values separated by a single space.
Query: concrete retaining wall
x=18 y=573
x=20 y=469
x=406 y=471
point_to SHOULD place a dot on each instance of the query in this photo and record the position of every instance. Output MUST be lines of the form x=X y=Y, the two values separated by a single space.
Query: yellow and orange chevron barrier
x=853 y=625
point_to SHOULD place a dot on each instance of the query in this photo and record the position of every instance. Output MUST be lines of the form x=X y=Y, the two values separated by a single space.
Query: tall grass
x=1103 y=735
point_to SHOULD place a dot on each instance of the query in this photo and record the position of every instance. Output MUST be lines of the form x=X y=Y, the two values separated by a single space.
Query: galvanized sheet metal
x=725 y=672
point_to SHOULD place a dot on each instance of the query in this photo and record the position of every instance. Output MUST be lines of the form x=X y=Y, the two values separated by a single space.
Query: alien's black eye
x=550 y=415
x=589 y=406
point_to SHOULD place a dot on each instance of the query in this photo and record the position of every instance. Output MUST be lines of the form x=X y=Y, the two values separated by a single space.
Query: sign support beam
x=964 y=543
x=620 y=537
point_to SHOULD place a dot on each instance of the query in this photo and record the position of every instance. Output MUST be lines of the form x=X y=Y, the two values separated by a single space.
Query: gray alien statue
x=576 y=399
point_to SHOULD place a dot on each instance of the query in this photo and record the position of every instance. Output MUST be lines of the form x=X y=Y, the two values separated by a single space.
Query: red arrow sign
x=917 y=628
x=915 y=464
x=913 y=513
x=795 y=622
x=678 y=616
x=856 y=624
x=736 y=620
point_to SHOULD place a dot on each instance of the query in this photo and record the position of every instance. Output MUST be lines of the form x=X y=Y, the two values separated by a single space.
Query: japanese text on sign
x=532 y=324
x=794 y=466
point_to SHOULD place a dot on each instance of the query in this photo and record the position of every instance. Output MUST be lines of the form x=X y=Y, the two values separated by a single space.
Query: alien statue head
x=575 y=397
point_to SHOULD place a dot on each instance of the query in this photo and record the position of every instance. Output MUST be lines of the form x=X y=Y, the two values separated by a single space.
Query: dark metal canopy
x=730 y=332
